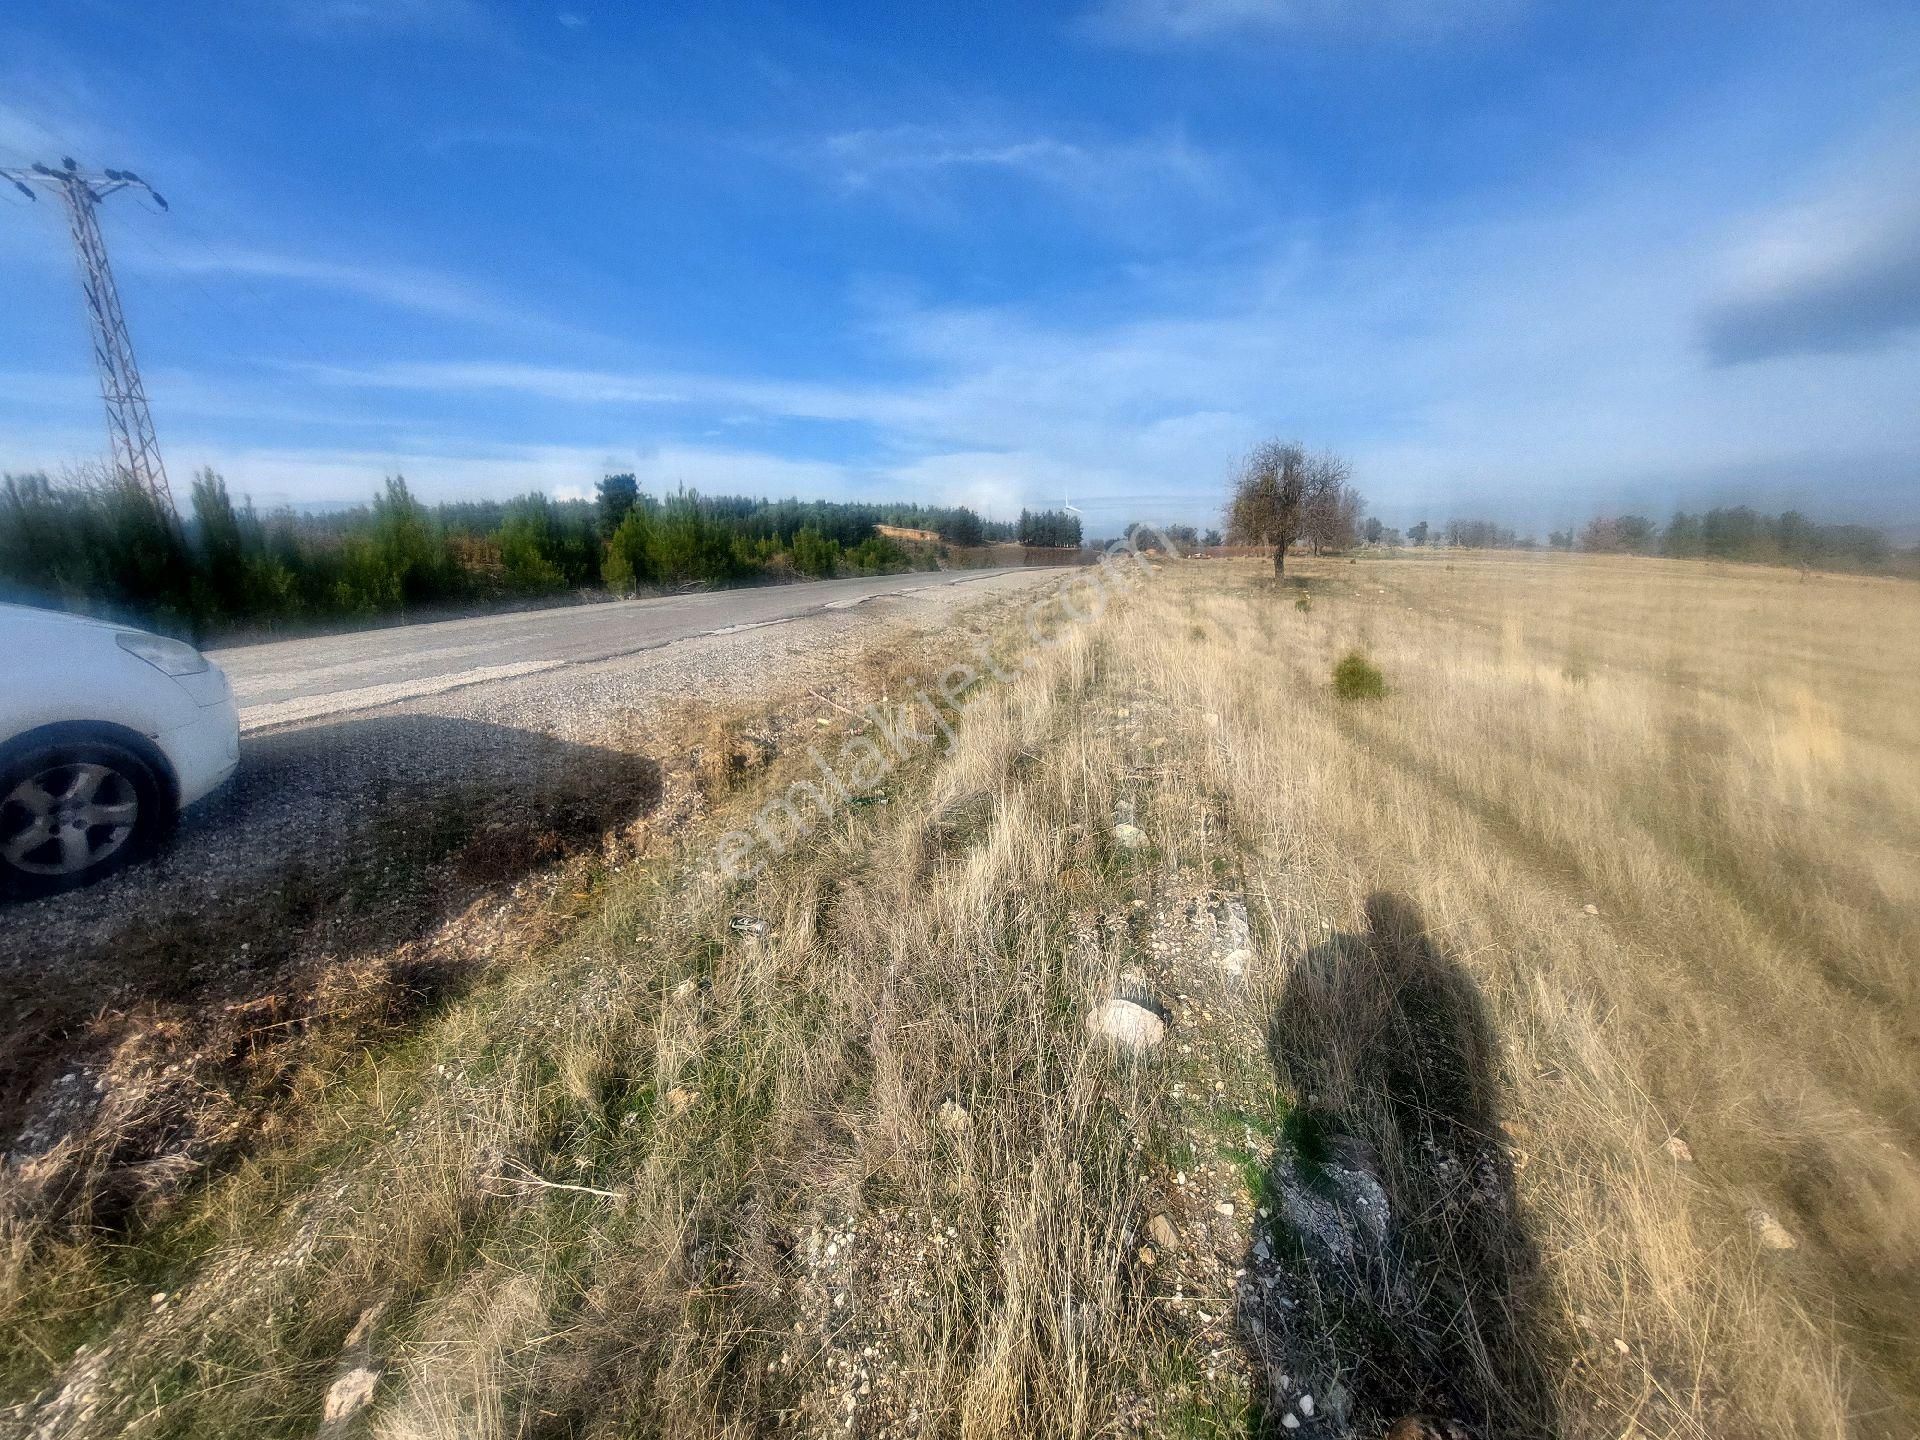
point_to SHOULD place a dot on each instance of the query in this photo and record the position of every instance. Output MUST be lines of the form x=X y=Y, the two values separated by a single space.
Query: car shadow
x=1392 y=1280
x=295 y=894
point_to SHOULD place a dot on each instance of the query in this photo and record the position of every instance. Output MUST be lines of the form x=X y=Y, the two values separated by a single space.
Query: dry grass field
x=1541 y=1056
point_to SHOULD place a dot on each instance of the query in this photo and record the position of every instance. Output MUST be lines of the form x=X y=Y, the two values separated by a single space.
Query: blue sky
x=1512 y=257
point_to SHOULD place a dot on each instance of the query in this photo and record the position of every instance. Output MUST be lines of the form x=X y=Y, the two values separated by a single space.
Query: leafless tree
x=1267 y=497
x=1330 y=509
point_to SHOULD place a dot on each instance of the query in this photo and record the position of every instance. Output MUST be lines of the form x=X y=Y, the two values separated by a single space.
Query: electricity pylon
x=136 y=452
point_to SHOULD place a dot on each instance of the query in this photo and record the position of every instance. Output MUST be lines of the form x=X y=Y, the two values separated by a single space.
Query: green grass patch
x=1357 y=678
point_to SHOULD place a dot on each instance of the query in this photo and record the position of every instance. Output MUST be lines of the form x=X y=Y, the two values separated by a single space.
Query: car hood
x=58 y=619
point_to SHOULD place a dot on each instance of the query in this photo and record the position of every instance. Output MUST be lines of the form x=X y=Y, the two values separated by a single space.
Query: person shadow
x=1390 y=1287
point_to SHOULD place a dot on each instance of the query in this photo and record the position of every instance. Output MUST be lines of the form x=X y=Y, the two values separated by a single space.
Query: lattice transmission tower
x=136 y=452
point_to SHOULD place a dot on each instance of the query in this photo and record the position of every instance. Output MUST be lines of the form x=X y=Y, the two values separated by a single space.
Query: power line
x=136 y=450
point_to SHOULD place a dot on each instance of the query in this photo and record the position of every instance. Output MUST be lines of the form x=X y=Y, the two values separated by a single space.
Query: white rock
x=1290 y=1420
x=1770 y=1232
x=1306 y=1405
x=953 y=1117
x=1678 y=1150
x=349 y=1395
x=1129 y=837
x=1126 y=1023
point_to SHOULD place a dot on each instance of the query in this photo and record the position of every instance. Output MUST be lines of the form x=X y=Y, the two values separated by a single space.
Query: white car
x=106 y=734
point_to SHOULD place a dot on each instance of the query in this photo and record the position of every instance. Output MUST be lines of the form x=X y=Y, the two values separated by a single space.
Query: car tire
x=75 y=810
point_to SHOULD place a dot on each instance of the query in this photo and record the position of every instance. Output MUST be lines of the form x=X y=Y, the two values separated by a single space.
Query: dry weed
x=1590 y=937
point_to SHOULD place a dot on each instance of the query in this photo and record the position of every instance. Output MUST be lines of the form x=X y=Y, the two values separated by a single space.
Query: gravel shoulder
x=308 y=788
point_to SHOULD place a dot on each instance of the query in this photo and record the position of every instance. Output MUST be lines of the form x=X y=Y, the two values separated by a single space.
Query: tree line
x=1049 y=527
x=1731 y=532
x=1284 y=496
x=1738 y=532
x=94 y=543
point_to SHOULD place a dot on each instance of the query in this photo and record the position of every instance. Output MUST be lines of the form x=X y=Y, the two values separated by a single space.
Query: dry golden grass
x=1726 y=765
x=675 y=1179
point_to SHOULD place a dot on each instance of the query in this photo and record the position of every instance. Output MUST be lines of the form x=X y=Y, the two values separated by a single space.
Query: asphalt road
x=346 y=732
x=283 y=682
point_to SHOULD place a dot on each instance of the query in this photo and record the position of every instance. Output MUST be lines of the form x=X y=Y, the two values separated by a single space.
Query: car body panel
x=204 y=752
x=57 y=668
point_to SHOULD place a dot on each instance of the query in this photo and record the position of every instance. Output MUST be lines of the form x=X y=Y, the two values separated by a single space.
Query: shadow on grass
x=1394 y=1278
x=139 y=1046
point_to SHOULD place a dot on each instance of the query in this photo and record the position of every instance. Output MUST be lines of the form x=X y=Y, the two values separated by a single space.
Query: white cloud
x=1105 y=171
x=1141 y=191
x=1193 y=22
x=1836 y=270
x=404 y=287
x=642 y=389
x=1538 y=354
x=1527 y=360
x=174 y=393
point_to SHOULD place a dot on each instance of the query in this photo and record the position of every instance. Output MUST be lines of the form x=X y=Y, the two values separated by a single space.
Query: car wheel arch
x=80 y=732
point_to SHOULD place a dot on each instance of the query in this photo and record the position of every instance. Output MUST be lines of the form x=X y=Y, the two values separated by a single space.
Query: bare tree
x=1267 y=496
x=1330 y=509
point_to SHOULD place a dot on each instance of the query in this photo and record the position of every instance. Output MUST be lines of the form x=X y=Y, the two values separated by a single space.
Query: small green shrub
x=1355 y=679
x=1303 y=604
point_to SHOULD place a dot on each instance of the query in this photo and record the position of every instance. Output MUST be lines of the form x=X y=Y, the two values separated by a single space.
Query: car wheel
x=72 y=812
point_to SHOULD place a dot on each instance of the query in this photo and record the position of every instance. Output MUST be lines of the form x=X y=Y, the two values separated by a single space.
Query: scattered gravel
x=307 y=792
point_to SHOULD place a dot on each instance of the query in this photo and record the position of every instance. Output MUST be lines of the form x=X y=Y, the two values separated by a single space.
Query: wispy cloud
x=1459 y=362
x=1156 y=23
x=62 y=124
x=866 y=157
x=1837 y=272
x=800 y=400
x=451 y=138
x=410 y=288
x=919 y=164
x=349 y=18
x=75 y=394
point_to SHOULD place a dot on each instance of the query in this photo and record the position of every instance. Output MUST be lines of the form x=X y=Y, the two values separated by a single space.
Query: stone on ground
x=1770 y=1232
x=1127 y=1023
x=349 y=1395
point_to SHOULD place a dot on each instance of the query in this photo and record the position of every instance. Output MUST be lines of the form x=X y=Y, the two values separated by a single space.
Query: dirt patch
x=133 y=1066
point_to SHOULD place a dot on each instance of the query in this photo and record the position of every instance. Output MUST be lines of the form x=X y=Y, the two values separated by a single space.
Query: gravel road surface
x=342 y=731
x=293 y=680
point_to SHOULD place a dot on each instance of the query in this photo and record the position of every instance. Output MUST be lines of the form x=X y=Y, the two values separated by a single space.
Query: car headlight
x=169 y=657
